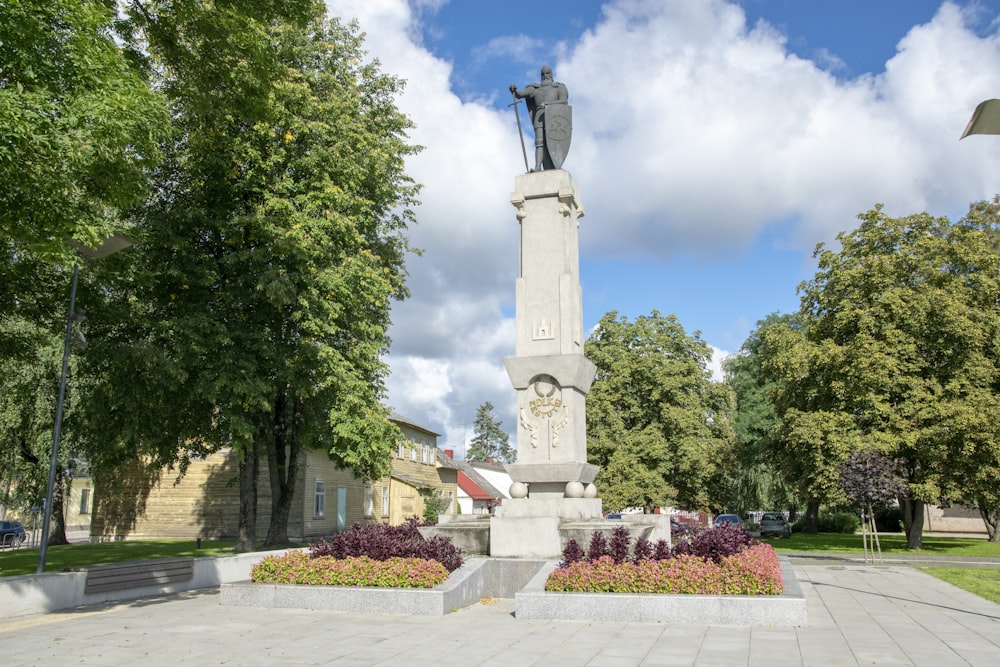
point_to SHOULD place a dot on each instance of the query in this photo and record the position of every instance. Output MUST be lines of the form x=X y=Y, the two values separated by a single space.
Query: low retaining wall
x=788 y=609
x=476 y=579
x=524 y=580
x=52 y=591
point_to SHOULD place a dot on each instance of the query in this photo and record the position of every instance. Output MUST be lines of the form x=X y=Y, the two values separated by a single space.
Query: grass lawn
x=891 y=544
x=25 y=561
x=984 y=583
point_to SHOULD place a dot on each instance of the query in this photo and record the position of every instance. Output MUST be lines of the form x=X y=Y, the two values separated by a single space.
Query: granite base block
x=476 y=579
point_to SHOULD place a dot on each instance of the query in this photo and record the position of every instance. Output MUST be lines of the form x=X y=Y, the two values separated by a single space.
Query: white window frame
x=413 y=452
x=369 y=501
x=85 y=500
x=319 y=499
x=385 y=500
x=401 y=449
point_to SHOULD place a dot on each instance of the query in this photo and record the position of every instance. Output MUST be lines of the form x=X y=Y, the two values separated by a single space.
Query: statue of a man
x=551 y=117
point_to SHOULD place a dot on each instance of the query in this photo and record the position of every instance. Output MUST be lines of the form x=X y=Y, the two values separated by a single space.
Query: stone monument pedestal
x=552 y=480
x=529 y=527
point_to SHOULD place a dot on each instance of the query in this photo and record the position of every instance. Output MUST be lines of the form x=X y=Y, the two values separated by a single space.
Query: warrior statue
x=551 y=117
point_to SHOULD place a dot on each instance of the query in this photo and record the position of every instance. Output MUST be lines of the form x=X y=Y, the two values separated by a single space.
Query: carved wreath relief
x=544 y=414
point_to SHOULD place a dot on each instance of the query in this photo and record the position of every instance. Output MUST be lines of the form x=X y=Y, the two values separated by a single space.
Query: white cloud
x=693 y=132
x=715 y=365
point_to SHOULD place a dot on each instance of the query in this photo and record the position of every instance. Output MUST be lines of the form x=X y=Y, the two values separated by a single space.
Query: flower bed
x=373 y=555
x=719 y=561
x=297 y=567
x=753 y=571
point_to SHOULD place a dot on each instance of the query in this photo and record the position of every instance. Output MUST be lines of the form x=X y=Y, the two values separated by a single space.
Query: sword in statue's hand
x=520 y=131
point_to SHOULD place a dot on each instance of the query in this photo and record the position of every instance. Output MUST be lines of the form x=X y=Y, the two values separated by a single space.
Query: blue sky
x=715 y=144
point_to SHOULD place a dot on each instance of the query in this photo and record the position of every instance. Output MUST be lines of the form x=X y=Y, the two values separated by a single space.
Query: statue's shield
x=558 y=132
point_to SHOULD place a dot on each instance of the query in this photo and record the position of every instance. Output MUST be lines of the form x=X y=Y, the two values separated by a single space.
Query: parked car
x=774 y=523
x=723 y=519
x=12 y=533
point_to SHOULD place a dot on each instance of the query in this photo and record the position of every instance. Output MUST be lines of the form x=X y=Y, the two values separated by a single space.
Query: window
x=385 y=501
x=400 y=449
x=413 y=452
x=341 y=509
x=85 y=501
x=369 y=500
x=319 y=504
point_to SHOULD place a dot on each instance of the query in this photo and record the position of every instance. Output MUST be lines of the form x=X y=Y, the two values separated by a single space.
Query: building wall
x=137 y=503
x=79 y=503
x=417 y=470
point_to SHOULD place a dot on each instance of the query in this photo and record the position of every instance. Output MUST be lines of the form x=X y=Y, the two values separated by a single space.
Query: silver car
x=774 y=523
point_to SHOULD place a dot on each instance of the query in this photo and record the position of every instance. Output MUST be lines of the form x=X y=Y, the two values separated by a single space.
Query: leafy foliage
x=81 y=126
x=382 y=541
x=749 y=478
x=843 y=523
x=598 y=546
x=712 y=544
x=716 y=543
x=433 y=506
x=297 y=567
x=656 y=423
x=489 y=441
x=754 y=570
x=256 y=314
x=870 y=478
x=897 y=347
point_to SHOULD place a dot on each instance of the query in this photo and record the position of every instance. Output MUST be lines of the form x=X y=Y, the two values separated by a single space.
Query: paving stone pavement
x=858 y=615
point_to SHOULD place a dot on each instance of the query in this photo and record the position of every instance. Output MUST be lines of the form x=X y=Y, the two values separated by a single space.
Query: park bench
x=138 y=574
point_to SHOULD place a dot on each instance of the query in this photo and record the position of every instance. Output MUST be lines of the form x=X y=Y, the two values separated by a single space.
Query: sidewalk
x=858 y=615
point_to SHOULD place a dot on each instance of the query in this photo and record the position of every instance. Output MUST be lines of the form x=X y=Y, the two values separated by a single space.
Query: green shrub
x=433 y=506
x=889 y=519
x=838 y=522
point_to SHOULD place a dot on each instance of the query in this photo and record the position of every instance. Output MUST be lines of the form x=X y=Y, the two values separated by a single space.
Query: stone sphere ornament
x=518 y=490
x=574 y=490
x=590 y=491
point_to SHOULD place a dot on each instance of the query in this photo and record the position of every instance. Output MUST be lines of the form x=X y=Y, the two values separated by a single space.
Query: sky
x=715 y=144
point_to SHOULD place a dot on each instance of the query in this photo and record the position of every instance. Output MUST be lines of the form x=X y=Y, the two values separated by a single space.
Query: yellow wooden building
x=136 y=502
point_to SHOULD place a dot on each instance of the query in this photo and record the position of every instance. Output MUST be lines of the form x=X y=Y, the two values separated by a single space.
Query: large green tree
x=899 y=351
x=656 y=422
x=489 y=440
x=257 y=311
x=80 y=124
x=750 y=477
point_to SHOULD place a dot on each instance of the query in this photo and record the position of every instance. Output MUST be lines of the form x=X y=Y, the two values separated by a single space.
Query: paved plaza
x=858 y=615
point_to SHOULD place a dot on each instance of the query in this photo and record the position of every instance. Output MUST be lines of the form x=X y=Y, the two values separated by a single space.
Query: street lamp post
x=108 y=247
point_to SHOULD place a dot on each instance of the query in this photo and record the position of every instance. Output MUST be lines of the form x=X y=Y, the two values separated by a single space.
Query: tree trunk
x=246 y=539
x=792 y=512
x=283 y=467
x=991 y=517
x=810 y=520
x=913 y=521
x=57 y=527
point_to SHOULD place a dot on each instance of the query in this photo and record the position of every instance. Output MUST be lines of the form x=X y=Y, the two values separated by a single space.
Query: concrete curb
x=52 y=591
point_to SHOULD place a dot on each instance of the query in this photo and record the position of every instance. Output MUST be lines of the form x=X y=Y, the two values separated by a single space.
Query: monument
x=551 y=118
x=552 y=495
x=552 y=480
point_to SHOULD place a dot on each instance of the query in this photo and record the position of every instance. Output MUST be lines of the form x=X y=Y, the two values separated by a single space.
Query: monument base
x=531 y=527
